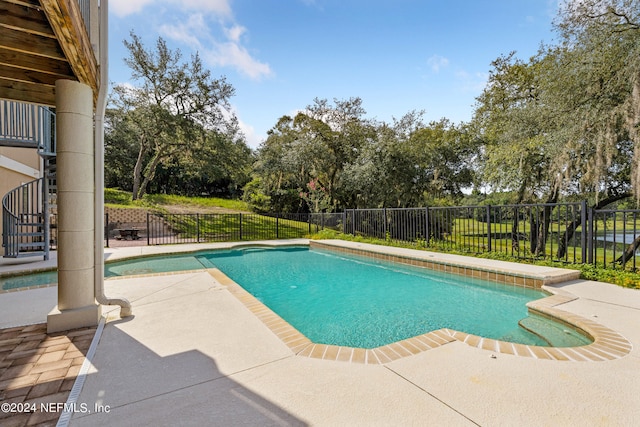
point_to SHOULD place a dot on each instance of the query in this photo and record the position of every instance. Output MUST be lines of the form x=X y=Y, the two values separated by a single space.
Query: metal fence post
x=106 y=221
x=590 y=236
x=344 y=221
x=240 y=226
x=426 y=226
x=148 y=229
x=277 y=226
x=197 y=228
x=384 y=223
x=583 y=231
x=489 y=248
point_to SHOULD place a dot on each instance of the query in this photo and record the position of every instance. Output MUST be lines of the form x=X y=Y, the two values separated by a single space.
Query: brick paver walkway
x=37 y=371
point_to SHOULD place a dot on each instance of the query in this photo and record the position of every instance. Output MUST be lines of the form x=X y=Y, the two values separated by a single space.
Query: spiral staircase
x=27 y=210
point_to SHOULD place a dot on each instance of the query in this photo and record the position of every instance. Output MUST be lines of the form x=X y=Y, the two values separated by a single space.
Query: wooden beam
x=27 y=92
x=68 y=26
x=27 y=61
x=29 y=19
x=28 y=76
x=33 y=44
x=27 y=3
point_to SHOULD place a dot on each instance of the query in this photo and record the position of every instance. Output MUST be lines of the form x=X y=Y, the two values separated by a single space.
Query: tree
x=596 y=91
x=281 y=168
x=510 y=121
x=173 y=110
x=598 y=64
x=315 y=145
x=333 y=137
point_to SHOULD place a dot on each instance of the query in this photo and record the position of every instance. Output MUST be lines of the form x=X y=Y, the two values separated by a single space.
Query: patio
x=193 y=354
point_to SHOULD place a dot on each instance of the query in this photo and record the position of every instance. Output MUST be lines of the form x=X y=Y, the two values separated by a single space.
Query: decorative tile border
x=493 y=275
x=607 y=345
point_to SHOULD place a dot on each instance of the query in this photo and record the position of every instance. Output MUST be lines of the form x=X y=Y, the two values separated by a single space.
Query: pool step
x=553 y=333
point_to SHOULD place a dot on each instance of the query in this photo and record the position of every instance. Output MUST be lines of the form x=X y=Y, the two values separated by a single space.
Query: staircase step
x=555 y=334
x=34 y=234
x=30 y=245
x=28 y=254
x=8 y=142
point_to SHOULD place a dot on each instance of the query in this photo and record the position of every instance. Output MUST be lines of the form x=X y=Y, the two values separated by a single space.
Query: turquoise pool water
x=357 y=301
x=159 y=264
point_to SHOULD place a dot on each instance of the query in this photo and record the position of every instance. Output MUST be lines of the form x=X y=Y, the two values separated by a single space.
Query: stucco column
x=77 y=306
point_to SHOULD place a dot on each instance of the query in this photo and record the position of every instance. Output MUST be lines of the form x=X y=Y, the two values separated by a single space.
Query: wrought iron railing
x=26 y=125
x=615 y=238
x=163 y=228
x=23 y=228
x=564 y=232
x=25 y=209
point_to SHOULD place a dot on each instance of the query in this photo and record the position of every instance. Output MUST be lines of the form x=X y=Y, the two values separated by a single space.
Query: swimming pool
x=357 y=301
x=361 y=302
x=130 y=267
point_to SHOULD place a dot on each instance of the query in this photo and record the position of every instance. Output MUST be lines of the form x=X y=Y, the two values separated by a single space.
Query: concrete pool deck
x=193 y=354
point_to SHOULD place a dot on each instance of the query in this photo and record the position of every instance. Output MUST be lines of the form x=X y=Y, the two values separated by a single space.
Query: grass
x=470 y=235
x=234 y=227
x=616 y=276
x=201 y=202
x=163 y=202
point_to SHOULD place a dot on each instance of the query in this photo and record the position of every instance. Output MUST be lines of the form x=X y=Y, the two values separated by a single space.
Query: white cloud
x=253 y=140
x=229 y=52
x=124 y=8
x=185 y=31
x=195 y=23
x=471 y=83
x=437 y=62
x=218 y=7
x=235 y=32
x=232 y=54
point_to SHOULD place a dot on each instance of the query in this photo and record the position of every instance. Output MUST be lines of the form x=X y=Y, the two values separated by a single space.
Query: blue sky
x=397 y=55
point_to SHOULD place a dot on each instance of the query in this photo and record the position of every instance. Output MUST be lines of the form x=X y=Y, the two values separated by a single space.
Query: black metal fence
x=566 y=232
x=162 y=229
x=615 y=238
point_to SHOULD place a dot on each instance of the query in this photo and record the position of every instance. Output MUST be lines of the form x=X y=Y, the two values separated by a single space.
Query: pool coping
x=607 y=345
x=509 y=273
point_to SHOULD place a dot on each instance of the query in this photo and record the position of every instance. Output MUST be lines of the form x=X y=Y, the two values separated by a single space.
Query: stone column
x=77 y=306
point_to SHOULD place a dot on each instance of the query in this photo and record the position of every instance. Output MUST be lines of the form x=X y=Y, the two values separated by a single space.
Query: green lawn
x=119 y=198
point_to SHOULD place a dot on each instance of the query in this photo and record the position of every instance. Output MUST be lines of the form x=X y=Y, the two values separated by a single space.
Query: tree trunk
x=515 y=237
x=151 y=172
x=629 y=253
x=543 y=231
x=573 y=225
x=137 y=171
x=534 y=227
